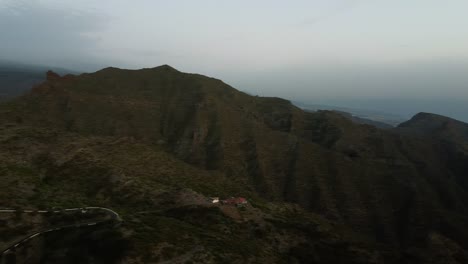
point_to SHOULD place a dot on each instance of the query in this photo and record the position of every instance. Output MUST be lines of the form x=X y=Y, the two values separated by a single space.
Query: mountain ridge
x=128 y=123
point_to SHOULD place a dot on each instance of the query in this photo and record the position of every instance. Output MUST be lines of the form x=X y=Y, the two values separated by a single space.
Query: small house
x=237 y=201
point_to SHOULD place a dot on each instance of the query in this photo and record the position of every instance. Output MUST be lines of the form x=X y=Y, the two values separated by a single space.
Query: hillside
x=152 y=144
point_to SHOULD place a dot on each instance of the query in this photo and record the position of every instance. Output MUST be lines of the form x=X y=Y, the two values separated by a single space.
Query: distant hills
x=359 y=115
x=154 y=144
x=17 y=78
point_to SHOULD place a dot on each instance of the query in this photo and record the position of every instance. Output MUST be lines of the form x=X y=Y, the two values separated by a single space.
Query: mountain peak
x=166 y=67
x=437 y=126
x=428 y=119
x=426 y=116
x=52 y=76
x=161 y=68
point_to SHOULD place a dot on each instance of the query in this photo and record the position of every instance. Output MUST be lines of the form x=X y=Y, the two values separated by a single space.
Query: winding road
x=115 y=217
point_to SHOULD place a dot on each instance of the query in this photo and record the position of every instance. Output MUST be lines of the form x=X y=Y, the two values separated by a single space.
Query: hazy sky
x=401 y=56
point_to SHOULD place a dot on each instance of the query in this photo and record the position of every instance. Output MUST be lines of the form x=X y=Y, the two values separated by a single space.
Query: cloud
x=41 y=33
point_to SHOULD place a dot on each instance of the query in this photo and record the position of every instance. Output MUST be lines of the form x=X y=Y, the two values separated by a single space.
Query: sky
x=397 y=56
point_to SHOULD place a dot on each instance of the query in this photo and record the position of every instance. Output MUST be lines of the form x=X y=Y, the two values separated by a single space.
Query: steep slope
x=164 y=219
x=451 y=135
x=123 y=137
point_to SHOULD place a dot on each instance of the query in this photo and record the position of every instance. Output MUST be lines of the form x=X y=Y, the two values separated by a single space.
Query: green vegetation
x=154 y=144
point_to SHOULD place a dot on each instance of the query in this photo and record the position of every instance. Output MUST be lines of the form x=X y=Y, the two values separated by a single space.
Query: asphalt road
x=84 y=210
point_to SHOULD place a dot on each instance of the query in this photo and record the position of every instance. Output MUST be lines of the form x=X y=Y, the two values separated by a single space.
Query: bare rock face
x=52 y=76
